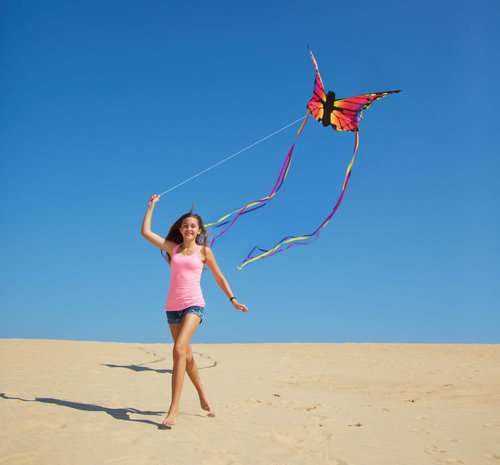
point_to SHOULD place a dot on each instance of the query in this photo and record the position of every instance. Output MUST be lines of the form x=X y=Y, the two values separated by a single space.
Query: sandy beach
x=65 y=402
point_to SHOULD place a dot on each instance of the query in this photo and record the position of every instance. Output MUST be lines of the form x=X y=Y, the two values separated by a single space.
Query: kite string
x=232 y=156
x=250 y=207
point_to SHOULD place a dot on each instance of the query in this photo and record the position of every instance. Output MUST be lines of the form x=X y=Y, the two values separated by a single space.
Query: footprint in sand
x=421 y=430
x=281 y=438
x=44 y=424
x=451 y=462
x=257 y=401
x=19 y=457
x=492 y=457
x=434 y=450
x=491 y=425
x=333 y=461
x=219 y=457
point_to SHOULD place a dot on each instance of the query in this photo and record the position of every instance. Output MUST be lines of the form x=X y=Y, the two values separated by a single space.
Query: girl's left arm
x=221 y=280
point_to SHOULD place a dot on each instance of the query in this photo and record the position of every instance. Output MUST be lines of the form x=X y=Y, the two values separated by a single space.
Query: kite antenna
x=232 y=156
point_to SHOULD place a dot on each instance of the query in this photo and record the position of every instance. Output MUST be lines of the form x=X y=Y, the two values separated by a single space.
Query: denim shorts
x=175 y=318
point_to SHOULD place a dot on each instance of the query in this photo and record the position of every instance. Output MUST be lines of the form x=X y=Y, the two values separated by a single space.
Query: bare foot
x=205 y=404
x=171 y=418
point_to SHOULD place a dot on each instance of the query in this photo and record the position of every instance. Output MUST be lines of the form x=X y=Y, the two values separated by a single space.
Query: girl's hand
x=239 y=306
x=153 y=200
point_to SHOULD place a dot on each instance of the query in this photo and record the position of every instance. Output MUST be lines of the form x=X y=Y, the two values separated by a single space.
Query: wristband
x=231 y=298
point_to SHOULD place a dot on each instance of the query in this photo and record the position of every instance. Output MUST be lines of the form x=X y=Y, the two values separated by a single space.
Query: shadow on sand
x=116 y=413
x=141 y=366
x=137 y=368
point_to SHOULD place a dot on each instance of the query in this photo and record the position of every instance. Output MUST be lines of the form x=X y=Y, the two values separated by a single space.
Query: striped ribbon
x=265 y=200
x=290 y=241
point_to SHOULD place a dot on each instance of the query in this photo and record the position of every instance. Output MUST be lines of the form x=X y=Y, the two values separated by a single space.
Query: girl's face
x=190 y=228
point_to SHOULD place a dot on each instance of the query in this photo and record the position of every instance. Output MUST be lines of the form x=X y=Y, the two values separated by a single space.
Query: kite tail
x=263 y=201
x=289 y=241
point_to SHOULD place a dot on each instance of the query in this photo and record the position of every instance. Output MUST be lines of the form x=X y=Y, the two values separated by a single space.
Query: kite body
x=328 y=109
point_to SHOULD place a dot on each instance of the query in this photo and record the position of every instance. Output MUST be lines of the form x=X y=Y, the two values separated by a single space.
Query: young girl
x=186 y=250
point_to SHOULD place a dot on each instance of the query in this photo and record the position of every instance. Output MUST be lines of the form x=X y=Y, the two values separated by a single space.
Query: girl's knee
x=180 y=350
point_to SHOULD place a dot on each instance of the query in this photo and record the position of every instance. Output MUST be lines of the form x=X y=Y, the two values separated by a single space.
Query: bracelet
x=231 y=298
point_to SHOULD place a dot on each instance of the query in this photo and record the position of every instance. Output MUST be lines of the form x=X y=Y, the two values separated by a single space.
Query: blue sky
x=105 y=103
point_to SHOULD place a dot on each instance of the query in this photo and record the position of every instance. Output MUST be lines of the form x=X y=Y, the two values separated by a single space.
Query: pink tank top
x=185 y=275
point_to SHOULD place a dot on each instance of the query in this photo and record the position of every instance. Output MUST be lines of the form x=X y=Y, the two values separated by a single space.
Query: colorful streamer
x=265 y=200
x=290 y=241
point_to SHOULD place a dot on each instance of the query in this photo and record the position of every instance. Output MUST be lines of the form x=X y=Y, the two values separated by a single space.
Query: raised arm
x=221 y=280
x=146 y=228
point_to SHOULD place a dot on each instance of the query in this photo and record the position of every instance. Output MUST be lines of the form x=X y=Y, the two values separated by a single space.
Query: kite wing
x=346 y=112
x=317 y=104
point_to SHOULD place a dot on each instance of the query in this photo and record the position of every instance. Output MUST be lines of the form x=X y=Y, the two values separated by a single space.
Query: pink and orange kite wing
x=316 y=104
x=347 y=112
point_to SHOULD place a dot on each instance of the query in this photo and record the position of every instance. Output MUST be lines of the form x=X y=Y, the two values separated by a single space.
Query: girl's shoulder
x=206 y=252
x=170 y=246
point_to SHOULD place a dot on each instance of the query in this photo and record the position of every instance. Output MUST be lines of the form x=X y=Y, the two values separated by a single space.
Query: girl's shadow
x=117 y=413
x=137 y=368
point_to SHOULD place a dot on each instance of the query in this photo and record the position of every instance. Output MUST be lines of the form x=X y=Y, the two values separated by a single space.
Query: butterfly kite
x=341 y=115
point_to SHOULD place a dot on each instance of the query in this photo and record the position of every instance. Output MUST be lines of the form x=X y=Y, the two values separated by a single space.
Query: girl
x=186 y=250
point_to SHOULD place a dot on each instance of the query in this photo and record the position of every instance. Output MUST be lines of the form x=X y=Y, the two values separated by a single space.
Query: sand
x=66 y=402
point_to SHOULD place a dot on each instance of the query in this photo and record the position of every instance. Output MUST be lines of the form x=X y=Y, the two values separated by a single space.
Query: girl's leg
x=192 y=371
x=187 y=328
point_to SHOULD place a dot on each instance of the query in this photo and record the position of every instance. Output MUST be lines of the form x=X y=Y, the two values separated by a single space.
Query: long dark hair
x=175 y=235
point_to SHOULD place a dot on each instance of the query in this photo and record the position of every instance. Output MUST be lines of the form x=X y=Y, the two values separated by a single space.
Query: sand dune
x=65 y=402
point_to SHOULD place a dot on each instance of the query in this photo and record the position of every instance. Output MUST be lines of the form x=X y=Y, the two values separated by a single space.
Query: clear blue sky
x=104 y=103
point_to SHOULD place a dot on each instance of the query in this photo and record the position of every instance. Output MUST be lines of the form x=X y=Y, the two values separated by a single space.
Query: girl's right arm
x=155 y=239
